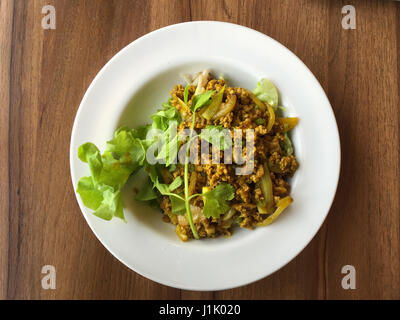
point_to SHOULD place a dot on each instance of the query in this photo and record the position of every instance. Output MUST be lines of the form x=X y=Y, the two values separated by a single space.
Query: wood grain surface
x=44 y=74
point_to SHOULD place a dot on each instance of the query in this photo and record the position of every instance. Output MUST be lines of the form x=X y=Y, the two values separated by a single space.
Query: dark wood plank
x=363 y=227
x=6 y=19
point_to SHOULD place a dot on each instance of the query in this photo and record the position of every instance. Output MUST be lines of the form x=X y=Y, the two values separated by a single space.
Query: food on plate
x=216 y=156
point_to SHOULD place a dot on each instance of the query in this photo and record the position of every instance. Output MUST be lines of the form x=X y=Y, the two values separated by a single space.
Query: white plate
x=135 y=82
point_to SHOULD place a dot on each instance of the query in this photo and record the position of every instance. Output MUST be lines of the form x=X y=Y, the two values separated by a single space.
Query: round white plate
x=134 y=83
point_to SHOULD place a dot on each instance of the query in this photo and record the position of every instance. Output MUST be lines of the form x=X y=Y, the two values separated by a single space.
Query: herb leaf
x=175 y=184
x=177 y=205
x=215 y=200
x=201 y=100
x=164 y=189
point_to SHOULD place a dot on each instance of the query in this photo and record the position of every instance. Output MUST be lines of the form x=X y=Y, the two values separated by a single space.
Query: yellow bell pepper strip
x=226 y=107
x=213 y=107
x=265 y=183
x=288 y=123
x=257 y=101
x=271 y=119
x=281 y=205
x=263 y=105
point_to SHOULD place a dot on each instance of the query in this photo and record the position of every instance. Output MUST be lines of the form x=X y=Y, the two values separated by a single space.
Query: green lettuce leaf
x=167 y=120
x=91 y=196
x=170 y=145
x=147 y=192
x=111 y=206
x=104 y=200
x=267 y=92
x=101 y=191
x=90 y=154
x=126 y=145
x=162 y=117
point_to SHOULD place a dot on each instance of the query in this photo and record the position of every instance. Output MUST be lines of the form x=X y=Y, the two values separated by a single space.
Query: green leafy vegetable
x=162 y=117
x=267 y=92
x=178 y=206
x=139 y=133
x=90 y=154
x=164 y=189
x=147 y=192
x=106 y=169
x=91 y=196
x=125 y=144
x=216 y=200
x=201 y=100
x=170 y=145
x=167 y=120
x=111 y=206
x=175 y=184
x=101 y=191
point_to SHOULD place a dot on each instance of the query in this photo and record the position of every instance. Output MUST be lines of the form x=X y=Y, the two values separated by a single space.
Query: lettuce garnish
x=267 y=92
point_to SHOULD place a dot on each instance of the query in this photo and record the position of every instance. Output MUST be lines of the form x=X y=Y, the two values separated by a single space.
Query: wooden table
x=44 y=74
